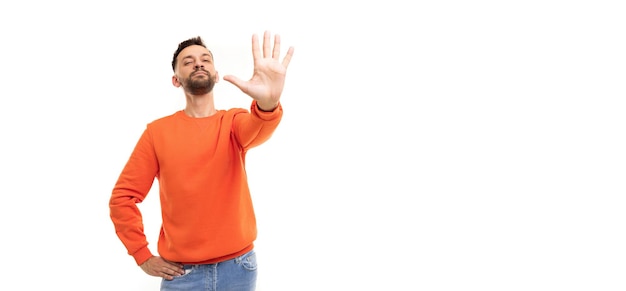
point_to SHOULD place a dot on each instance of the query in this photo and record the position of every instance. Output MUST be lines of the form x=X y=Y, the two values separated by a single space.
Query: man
x=198 y=157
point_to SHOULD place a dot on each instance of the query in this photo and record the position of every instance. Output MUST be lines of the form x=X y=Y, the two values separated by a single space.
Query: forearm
x=127 y=221
x=258 y=126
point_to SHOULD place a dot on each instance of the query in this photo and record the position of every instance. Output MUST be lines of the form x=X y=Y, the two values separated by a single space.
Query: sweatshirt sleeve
x=254 y=128
x=131 y=188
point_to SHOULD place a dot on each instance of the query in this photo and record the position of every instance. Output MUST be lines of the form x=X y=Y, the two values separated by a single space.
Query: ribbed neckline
x=181 y=113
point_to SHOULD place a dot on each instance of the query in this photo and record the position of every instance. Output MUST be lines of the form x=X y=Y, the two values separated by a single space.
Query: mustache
x=200 y=70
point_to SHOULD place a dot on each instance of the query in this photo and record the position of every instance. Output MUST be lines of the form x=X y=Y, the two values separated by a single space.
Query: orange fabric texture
x=206 y=207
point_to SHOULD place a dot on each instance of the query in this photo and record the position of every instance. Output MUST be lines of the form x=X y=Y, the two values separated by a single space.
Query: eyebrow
x=203 y=55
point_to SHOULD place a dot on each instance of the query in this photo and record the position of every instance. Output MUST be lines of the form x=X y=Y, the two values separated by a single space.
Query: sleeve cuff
x=142 y=255
x=266 y=115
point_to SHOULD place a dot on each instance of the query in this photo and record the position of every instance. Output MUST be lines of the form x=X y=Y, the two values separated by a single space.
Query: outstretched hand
x=268 y=78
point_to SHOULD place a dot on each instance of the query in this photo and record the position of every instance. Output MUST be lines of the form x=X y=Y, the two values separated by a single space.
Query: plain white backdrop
x=429 y=145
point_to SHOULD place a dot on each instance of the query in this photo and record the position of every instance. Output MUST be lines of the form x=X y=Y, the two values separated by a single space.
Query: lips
x=200 y=73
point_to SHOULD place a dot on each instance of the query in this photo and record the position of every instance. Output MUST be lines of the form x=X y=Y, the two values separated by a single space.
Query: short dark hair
x=189 y=42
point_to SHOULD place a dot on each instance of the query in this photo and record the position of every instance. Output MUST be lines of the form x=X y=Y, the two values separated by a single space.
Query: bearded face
x=199 y=82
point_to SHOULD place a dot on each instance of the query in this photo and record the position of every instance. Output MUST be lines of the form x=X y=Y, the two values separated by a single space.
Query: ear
x=175 y=81
x=217 y=76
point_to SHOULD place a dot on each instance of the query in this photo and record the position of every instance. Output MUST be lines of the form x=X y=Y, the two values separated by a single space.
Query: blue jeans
x=238 y=274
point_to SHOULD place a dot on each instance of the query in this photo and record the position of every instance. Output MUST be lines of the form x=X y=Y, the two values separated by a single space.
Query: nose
x=198 y=66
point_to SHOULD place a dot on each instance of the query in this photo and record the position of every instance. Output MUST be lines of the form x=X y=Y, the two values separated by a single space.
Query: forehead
x=194 y=51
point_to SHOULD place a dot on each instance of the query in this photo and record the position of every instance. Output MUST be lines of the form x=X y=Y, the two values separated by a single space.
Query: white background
x=429 y=145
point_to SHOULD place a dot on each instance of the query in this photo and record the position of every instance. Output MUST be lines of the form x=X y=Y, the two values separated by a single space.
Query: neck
x=200 y=105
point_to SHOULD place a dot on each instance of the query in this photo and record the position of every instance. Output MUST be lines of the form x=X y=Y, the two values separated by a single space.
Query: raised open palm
x=268 y=79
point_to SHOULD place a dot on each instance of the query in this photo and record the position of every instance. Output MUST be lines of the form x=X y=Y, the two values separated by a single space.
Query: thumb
x=237 y=82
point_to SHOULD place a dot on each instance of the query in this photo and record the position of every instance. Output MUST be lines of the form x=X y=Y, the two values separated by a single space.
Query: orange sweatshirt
x=206 y=208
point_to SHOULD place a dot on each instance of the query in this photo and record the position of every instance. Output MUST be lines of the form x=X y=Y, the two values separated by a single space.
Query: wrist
x=266 y=107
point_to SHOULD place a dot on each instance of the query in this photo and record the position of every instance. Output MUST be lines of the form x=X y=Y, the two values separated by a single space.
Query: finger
x=172 y=271
x=168 y=273
x=241 y=84
x=255 y=47
x=174 y=264
x=168 y=277
x=288 y=56
x=266 y=44
x=176 y=269
x=276 y=52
